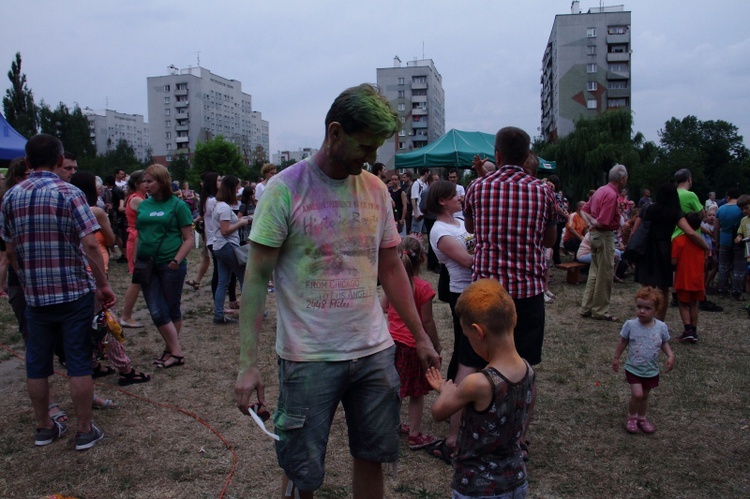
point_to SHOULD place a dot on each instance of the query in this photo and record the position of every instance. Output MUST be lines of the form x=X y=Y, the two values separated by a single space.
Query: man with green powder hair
x=325 y=228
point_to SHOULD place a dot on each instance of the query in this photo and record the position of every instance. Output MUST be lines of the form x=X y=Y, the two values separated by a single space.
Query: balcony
x=418 y=112
x=181 y=92
x=181 y=115
x=618 y=93
x=181 y=103
x=419 y=98
x=618 y=57
x=419 y=124
x=615 y=39
x=182 y=150
x=619 y=75
x=182 y=140
x=182 y=127
x=419 y=86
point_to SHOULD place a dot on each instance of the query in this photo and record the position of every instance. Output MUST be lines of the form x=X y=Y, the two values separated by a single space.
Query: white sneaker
x=547 y=299
x=548 y=294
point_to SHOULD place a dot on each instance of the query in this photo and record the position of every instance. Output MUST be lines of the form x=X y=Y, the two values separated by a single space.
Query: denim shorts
x=310 y=392
x=163 y=294
x=70 y=321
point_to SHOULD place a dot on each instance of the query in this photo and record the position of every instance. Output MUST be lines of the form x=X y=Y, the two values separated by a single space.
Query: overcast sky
x=295 y=56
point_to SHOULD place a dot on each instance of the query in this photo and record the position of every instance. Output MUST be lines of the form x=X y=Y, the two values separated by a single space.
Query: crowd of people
x=345 y=251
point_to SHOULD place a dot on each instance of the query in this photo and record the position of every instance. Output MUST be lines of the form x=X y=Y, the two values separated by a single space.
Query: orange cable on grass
x=165 y=406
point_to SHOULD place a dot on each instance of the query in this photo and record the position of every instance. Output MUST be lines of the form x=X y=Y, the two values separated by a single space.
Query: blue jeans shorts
x=310 y=392
x=70 y=321
x=163 y=295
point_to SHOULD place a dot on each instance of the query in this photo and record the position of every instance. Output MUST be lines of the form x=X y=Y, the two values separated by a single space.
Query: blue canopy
x=12 y=143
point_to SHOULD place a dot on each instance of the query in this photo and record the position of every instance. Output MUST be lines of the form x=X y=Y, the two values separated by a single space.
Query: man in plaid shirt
x=45 y=223
x=512 y=215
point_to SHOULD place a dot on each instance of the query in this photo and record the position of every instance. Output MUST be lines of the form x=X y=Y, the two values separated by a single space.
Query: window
x=591 y=86
x=166 y=88
x=591 y=50
x=403 y=119
x=168 y=135
x=167 y=111
x=591 y=104
x=402 y=133
x=618 y=67
x=169 y=158
x=402 y=107
x=401 y=81
x=618 y=49
x=400 y=94
x=169 y=146
x=591 y=33
x=617 y=30
x=182 y=86
x=167 y=123
x=166 y=100
x=617 y=85
x=617 y=102
x=419 y=79
x=401 y=145
x=591 y=68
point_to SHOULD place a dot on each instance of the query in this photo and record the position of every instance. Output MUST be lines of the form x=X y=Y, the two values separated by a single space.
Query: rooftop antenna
x=423 y=50
x=198 y=55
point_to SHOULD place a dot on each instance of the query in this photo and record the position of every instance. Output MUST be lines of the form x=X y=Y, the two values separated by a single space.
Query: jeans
x=163 y=294
x=731 y=261
x=598 y=290
x=226 y=265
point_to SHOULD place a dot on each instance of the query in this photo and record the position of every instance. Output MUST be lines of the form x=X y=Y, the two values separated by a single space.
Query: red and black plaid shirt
x=510 y=210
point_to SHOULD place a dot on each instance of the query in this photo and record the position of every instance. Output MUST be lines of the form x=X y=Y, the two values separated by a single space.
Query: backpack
x=423 y=200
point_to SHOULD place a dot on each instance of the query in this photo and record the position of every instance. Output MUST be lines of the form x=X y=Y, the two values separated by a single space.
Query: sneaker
x=420 y=441
x=224 y=320
x=88 y=440
x=550 y=294
x=632 y=425
x=547 y=299
x=645 y=426
x=688 y=336
x=709 y=306
x=45 y=436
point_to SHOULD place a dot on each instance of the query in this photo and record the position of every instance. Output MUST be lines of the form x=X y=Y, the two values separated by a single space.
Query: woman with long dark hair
x=225 y=240
x=165 y=233
x=655 y=267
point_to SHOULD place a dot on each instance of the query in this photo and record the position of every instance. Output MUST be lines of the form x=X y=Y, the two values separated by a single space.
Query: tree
x=122 y=156
x=713 y=151
x=18 y=103
x=585 y=156
x=179 y=168
x=217 y=155
x=71 y=128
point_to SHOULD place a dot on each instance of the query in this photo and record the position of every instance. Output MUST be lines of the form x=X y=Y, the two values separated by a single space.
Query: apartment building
x=586 y=68
x=415 y=91
x=296 y=156
x=108 y=127
x=193 y=105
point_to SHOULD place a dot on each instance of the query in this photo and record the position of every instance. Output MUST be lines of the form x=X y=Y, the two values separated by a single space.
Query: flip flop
x=440 y=450
x=104 y=405
x=130 y=325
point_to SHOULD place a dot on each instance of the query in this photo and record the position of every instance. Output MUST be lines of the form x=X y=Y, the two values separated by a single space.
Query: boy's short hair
x=650 y=293
x=485 y=302
x=694 y=220
x=743 y=200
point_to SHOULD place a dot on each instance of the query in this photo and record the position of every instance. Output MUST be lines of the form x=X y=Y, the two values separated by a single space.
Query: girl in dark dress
x=655 y=268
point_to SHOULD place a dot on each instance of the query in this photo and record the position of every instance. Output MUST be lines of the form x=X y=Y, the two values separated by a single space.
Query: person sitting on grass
x=643 y=336
x=413 y=383
x=688 y=260
x=495 y=401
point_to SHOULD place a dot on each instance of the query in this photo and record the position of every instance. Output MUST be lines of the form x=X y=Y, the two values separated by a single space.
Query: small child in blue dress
x=643 y=336
x=495 y=401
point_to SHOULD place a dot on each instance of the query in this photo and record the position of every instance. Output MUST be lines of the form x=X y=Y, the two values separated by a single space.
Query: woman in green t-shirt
x=165 y=232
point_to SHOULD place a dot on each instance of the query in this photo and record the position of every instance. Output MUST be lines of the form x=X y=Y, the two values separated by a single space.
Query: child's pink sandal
x=645 y=426
x=632 y=425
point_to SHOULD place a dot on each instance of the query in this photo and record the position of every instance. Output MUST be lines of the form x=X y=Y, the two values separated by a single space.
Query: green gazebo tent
x=456 y=149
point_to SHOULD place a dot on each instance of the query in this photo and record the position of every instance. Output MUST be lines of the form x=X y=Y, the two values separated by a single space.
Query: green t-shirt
x=688 y=202
x=154 y=222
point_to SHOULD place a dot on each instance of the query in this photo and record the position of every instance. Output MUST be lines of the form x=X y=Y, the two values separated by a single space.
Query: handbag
x=143 y=267
x=240 y=253
x=638 y=243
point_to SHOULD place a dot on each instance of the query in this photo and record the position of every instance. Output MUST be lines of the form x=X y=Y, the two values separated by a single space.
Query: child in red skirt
x=413 y=382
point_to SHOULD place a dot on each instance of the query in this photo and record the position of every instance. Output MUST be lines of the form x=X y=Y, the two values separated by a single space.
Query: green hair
x=363 y=109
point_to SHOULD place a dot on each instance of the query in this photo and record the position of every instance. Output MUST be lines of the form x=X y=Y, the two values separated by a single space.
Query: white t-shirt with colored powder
x=329 y=233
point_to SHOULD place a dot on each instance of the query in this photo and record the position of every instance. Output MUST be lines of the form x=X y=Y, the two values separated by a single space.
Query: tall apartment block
x=296 y=156
x=586 y=67
x=193 y=105
x=416 y=93
x=108 y=127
